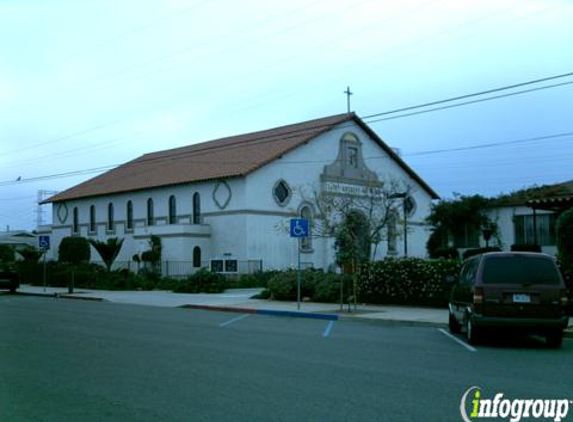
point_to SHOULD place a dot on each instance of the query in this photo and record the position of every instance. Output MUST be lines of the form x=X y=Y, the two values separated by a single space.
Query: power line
x=475 y=94
x=491 y=145
x=495 y=97
x=61 y=138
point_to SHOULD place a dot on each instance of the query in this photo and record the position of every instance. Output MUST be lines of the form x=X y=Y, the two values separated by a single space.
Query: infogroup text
x=474 y=407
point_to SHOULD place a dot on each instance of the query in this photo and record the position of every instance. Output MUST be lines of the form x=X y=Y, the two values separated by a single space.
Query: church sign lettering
x=339 y=188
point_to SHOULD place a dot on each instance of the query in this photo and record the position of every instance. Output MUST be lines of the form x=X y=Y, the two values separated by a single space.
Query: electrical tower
x=42 y=195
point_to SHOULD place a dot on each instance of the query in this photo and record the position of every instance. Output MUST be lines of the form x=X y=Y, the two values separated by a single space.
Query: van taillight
x=478 y=296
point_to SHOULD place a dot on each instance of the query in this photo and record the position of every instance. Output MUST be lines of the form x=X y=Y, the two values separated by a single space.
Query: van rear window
x=520 y=270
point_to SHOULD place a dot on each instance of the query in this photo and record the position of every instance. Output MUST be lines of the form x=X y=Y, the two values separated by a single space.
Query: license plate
x=521 y=298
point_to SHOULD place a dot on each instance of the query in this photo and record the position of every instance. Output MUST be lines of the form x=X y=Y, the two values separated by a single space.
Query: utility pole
x=348 y=94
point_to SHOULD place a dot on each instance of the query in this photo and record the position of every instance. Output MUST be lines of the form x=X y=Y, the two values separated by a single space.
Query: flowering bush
x=407 y=281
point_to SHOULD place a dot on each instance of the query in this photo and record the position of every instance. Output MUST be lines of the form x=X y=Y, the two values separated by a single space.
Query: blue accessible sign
x=299 y=227
x=44 y=242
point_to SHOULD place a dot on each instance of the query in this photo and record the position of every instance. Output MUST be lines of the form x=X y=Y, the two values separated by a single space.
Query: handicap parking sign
x=44 y=242
x=299 y=227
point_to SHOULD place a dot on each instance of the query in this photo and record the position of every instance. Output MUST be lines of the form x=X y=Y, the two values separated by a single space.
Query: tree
x=357 y=220
x=457 y=219
x=565 y=236
x=108 y=250
x=30 y=253
x=153 y=255
x=74 y=250
x=6 y=253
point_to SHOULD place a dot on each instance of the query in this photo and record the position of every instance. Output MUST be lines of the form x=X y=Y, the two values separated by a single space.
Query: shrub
x=203 y=281
x=6 y=253
x=445 y=253
x=74 y=249
x=257 y=279
x=472 y=252
x=316 y=285
x=407 y=281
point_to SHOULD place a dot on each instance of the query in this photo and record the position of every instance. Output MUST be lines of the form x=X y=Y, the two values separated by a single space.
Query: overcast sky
x=90 y=84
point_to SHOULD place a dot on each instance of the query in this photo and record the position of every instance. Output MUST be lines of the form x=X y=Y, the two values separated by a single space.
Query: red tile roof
x=234 y=156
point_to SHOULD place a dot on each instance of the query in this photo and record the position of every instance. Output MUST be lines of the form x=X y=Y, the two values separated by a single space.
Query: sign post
x=298 y=230
x=44 y=244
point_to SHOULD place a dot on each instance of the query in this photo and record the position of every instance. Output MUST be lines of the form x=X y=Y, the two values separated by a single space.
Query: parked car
x=9 y=280
x=519 y=291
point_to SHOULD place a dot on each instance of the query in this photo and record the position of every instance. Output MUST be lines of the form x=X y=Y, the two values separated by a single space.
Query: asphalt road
x=65 y=360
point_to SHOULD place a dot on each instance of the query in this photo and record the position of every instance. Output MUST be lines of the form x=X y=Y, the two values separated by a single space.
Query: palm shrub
x=108 y=250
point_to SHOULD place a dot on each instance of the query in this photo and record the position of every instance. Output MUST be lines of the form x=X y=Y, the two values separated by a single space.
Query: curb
x=62 y=296
x=268 y=312
x=88 y=298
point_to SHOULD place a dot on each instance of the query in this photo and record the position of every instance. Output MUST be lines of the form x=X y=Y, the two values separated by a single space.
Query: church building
x=226 y=204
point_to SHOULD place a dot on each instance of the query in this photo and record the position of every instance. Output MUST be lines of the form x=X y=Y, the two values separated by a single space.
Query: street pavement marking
x=224 y=324
x=328 y=329
x=457 y=340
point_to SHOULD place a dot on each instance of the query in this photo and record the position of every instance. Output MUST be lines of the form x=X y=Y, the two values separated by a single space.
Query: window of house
x=129 y=223
x=467 y=237
x=196 y=257
x=110 y=218
x=196 y=208
x=150 y=213
x=217 y=265
x=281 y=193
x=76 y=226
x=524 y=229
x=231 y=265
x=92 y=219
x=172 y=210
x=306 y=242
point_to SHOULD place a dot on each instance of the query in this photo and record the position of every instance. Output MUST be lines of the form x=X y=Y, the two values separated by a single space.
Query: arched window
x=150 y=213
x=196 y=257
x=172 y=210
x=76 y=226
x=110 y=217
x=129 y=212
x=196 y=208
x=306 y=242
x=92 y=219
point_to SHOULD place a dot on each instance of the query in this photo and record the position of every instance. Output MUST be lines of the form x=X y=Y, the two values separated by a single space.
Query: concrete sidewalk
x=239 y=300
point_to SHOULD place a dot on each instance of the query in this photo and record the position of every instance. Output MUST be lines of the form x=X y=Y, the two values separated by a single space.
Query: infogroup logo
x=474 y=407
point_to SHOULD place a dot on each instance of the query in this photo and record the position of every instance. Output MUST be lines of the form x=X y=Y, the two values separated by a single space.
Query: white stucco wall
x=503 y=216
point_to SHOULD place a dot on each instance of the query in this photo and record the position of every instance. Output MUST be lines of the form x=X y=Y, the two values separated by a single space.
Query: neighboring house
x=18 y=239
x=222 y=203
x=528 y=217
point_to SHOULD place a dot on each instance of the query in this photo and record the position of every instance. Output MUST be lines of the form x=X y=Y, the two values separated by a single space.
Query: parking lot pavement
x=72 y=360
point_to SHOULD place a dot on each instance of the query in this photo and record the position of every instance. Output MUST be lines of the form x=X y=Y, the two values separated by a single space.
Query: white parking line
x=328 y=329
x=457 y=340
x=224 y=324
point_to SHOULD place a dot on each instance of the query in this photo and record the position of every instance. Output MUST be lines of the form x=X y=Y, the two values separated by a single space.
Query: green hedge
x=203 y=281
x=316 y=286
x=407 y=281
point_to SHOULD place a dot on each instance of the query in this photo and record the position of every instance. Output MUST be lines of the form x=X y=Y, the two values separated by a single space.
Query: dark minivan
x=516 y=290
